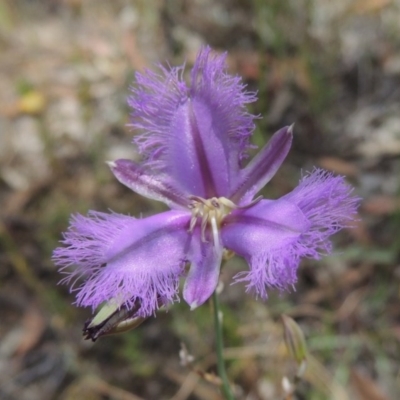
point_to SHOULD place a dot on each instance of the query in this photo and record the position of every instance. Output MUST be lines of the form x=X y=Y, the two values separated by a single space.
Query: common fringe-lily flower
x=193 y=143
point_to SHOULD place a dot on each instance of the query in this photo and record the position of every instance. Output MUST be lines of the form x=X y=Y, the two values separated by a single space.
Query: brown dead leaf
x=396 y=332
x=359 y=232
x=9 y=110
x=315 y=296
x=186 y=387
x=33 y=325
x=352 y=277
x=289 y=69
x=18 y=200
x=91 y=387
x=247 y=64
x=339 y=166
x=365 y=387
x=113 y=392
x=201 y=390
x=381 y=205
x=350 y=304
x=74 y=4
x=137 y=61
x=369 y=6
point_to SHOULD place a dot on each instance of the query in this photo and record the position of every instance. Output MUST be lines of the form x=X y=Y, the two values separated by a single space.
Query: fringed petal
x=223 y=123
x=269 y=224
x=124 y=259
x=328 y=203
x=154 y=103
x=265 y=235
x=275 y=269
x=196 y=135
x=320 y=206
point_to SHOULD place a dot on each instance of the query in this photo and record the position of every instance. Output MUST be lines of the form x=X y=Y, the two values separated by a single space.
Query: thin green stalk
x=226 y=389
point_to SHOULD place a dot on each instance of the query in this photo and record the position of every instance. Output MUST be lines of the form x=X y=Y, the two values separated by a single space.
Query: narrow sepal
x=263 y=166
x=147 y=184
x=202 y=279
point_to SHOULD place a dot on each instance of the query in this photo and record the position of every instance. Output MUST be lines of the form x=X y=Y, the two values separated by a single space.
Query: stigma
x=210 y=213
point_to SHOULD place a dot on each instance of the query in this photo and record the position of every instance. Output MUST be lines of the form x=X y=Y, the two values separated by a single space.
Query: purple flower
x=193 y=142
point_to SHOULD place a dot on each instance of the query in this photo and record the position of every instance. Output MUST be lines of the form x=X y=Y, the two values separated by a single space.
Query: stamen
x=211 y=212
x=203 y=228
x=215 y=232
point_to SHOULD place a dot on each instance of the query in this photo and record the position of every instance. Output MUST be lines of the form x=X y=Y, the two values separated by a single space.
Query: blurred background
x=332 y=67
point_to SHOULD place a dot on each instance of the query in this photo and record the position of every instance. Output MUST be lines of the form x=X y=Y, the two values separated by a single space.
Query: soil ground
x=333 y=68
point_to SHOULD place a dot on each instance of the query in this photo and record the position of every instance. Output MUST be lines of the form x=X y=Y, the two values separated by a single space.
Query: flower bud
x=111 y=318
x=294 y=340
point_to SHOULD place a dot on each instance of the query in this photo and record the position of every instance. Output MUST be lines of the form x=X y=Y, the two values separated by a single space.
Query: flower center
x=210 y=212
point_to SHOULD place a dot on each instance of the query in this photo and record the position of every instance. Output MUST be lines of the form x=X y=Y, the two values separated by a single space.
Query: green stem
x=226 y=389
